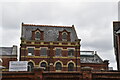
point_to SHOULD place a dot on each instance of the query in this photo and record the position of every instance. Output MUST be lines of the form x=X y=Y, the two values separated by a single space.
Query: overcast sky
x=93 y=22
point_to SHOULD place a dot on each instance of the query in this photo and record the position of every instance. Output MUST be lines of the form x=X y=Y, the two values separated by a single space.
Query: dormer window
x=64 y=36
x=37 y=36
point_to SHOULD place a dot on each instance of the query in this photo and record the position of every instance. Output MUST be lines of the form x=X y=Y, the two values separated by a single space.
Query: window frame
x=36 y=37
x=46 y=51
x=73 y=54
x=69 y=67
x=28 y=51
x=66 y=36
x=44 y=66
x=60 y=52
x=58 y=67
x=30 y=68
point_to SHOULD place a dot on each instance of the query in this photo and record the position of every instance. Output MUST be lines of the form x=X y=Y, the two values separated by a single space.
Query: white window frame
x=33 y=53
x=66 y=35
x=35 y=35
x=61 y=51
x=71 y=49
x=46 y=51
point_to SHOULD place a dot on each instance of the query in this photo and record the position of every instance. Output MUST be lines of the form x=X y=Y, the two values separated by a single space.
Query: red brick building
x=7 y=54
x=54 y=48
x=92 y=60
x=116 y=35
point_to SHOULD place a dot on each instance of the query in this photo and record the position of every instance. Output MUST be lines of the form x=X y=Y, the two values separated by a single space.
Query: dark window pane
x=43 y=52
x=70 y=67
x=64 y=36
x=43 y=64
x=30 y=51
x=37 y=36
x=30 y=66
x=58 y=66
x=70 y=52
x=58 y=52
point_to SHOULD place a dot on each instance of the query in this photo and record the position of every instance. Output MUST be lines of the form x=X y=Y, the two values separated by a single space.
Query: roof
x=8 y=50
x=86 y=52
x=51 y=32
x=5 y=50
x=90 y=57
x=44 y=25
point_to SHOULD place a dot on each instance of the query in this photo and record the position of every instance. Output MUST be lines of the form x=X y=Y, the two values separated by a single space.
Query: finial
x=73 y=25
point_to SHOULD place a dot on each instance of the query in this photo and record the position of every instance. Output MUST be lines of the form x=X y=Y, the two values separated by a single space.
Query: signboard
x=18 y=65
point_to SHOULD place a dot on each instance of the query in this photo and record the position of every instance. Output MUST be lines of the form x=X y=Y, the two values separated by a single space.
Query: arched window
x=64 y=36
x=30 y=66
x=44 y=65
x=70 y=67
x=37 y=36
x=58 y=66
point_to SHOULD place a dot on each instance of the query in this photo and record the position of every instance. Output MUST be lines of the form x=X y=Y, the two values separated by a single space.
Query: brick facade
x=7 y=54
x=51 y=59
x=7 y=59
x=96 y=67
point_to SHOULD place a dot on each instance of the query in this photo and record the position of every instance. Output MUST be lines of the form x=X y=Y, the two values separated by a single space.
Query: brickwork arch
x=32 y=62
x=71 y=62
x=1 y=60
x=43 y=61
x=57 y=62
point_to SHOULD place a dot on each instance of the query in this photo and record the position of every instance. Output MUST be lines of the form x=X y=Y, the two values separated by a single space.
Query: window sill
x=71 y=56
x=43 y=55
x=58 y=56
x=58 y=70
x=31 y=55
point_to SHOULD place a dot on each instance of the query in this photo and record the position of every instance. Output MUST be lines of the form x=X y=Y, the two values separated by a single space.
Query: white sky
x=93 y=20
